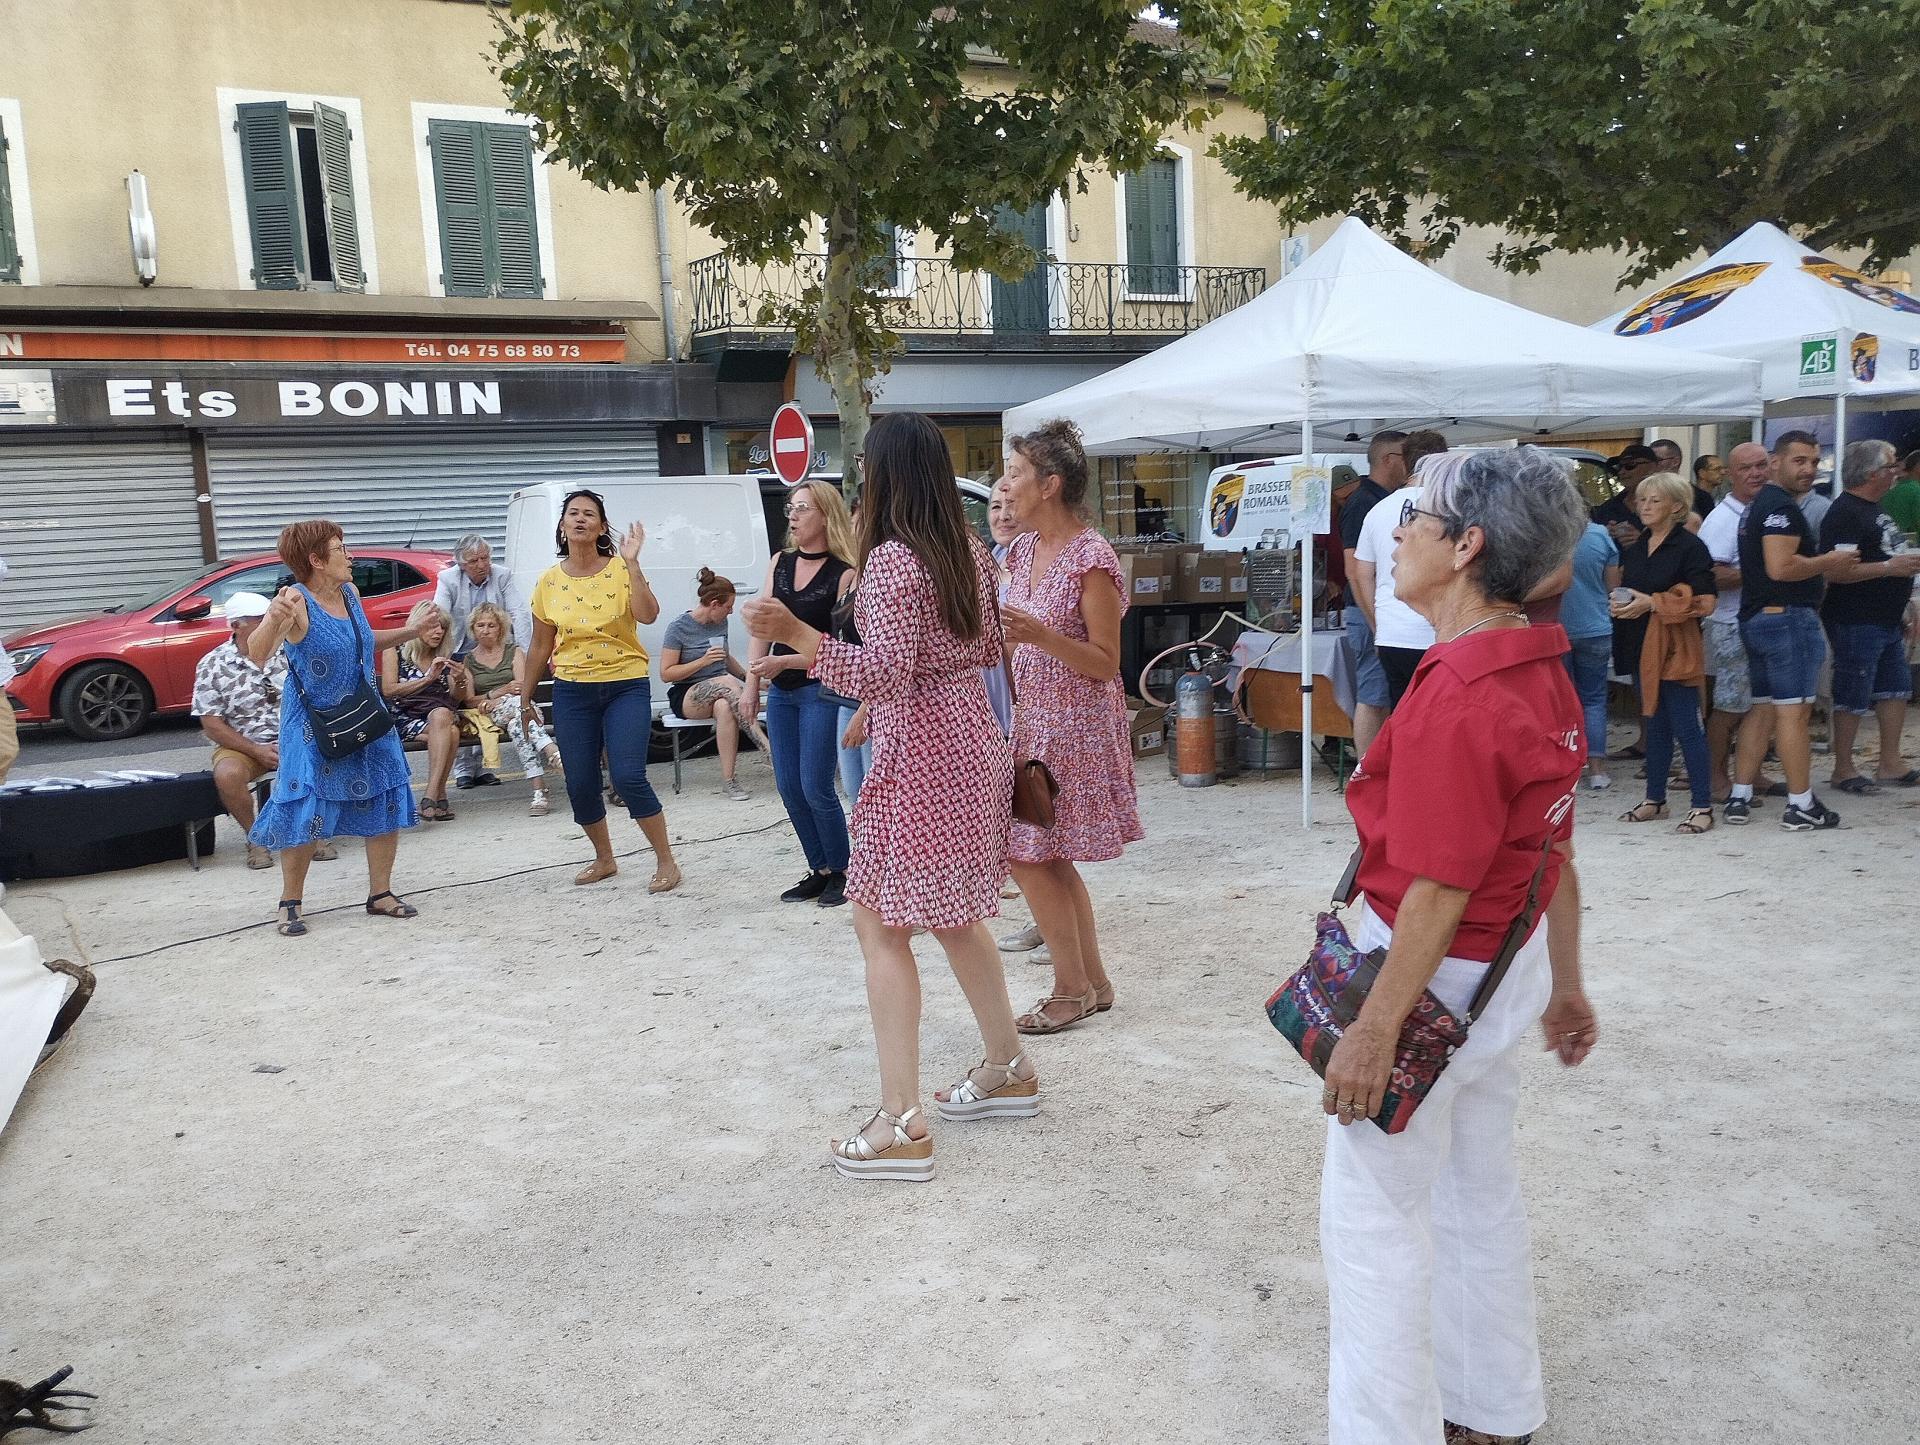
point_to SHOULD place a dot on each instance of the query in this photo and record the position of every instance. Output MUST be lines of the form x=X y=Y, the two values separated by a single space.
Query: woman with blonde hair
x=427 y=689
x=803 y=722
x=704 y=679
x=496 y=673
x=1667 y=574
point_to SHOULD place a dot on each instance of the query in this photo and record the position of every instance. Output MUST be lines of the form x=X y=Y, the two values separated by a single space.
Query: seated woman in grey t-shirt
x=704 y=679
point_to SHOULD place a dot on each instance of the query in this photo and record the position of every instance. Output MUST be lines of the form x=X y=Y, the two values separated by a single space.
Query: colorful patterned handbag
x=1314 y=1007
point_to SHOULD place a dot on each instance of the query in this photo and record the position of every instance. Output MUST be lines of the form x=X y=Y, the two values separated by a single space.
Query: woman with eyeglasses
x=809 y=577
x=585 y=608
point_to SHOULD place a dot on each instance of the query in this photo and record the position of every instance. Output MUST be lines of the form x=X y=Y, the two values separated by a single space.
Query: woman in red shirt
x=1424 y=1232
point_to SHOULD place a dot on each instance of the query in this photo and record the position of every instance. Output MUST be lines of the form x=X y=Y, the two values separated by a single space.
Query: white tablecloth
x=1280 y=652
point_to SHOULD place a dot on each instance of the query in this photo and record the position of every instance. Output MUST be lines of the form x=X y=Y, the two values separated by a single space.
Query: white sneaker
x=734 y=792
x=538 y=808
x=1022 y=942
x=1600 y=782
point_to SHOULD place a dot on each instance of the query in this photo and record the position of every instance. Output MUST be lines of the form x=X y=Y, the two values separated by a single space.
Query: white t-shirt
x=1394 y=623
x=1721 y=534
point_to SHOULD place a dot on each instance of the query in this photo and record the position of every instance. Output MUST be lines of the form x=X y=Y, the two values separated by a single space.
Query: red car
x=105 y=675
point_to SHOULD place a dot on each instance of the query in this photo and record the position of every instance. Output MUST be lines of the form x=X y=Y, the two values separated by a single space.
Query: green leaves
x=1659 y=128
x=765 y=113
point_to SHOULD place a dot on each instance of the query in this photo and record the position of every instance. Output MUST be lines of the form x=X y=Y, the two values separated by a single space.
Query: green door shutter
x=336 y=170
x=458 y=192
x=509 y=173
x=9 y=238
x=273 y=195
x=1153 y=228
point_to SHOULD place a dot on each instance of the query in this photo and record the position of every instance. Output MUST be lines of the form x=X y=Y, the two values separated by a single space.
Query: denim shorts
x=1869 y=666
x=1784 y=652
x=1369 y=677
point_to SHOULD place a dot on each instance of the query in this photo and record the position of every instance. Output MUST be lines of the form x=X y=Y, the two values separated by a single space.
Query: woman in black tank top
x=802 y=721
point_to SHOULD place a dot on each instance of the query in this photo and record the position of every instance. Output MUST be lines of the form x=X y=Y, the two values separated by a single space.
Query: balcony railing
x=933 y=299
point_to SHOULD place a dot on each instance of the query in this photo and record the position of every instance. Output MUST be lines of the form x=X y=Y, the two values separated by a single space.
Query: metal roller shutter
x=89 y=520
x=421 y=485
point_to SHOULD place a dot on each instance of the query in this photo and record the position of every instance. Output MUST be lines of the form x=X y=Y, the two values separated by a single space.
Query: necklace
x=1490 y=617
x=813 y=556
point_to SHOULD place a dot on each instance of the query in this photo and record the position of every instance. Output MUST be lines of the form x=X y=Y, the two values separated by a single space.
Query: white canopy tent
x=1818 y=329
x=1364 y=337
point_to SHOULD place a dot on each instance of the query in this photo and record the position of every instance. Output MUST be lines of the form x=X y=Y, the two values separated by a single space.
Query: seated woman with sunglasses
x=1463 y=800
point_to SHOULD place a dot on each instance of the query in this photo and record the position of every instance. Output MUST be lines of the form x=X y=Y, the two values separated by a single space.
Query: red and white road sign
x=792 y=445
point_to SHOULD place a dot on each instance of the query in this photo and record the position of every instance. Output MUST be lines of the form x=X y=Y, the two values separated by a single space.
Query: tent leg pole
x=1758 y=431
x=1839 y=436
x=1306 y=650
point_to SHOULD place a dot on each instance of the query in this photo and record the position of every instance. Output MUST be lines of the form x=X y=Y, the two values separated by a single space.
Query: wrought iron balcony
x=1059 y=304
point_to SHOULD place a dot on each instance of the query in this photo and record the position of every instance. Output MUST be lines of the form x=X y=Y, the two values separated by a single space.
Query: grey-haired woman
x=1466 y=792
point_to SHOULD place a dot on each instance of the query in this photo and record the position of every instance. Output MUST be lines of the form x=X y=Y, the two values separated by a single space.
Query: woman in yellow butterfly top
x=584 y=611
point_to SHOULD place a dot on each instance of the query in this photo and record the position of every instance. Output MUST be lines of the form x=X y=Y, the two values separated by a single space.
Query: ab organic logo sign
x=1819 y=361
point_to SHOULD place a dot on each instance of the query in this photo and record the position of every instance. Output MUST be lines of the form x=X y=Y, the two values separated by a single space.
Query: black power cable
x=422 y=892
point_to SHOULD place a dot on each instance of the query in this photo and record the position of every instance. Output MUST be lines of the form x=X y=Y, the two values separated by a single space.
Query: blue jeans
x=1589 y=664
x=1676 y=717
x=1369 y=678
x=855 y=763
x=617 y=717
x=1869 y=667
x=803 y=728
x=1784 y=653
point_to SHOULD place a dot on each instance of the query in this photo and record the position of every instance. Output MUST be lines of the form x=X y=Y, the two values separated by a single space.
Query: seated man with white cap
x=238 y=703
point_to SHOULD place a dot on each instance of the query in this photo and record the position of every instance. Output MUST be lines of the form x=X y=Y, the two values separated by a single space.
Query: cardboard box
x=1148 y=577
x=1211 y=577
x=1148 y=728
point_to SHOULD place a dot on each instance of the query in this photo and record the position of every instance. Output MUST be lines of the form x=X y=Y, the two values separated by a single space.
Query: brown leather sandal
x=1694 y=824
x=1639 y=812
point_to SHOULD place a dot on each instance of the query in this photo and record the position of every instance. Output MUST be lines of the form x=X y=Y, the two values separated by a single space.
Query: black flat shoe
x=485 y=780
x=807 y=889
x=834 y=895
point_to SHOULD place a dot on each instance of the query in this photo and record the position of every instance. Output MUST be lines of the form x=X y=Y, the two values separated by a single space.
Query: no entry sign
x=792 y=445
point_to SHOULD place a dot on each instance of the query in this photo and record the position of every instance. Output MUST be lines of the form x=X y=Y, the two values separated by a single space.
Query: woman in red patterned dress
x=1062 y=614
x=930 y=825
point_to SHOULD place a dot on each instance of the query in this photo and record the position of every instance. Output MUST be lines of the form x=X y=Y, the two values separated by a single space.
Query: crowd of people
x=1727 y=633
x=1489 y=611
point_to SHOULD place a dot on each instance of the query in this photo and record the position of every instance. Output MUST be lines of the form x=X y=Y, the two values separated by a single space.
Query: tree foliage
x=1661 y=127
x=763 y=114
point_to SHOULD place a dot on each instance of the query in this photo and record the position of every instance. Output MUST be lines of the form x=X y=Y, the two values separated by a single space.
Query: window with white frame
x=17 y=262
x=1156 y=226
x=303 y=194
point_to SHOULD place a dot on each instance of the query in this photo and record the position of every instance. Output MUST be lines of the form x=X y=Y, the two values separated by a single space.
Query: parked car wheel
x=104 y=701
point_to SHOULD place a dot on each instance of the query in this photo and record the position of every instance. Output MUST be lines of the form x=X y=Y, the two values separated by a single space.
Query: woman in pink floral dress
x=1062 y=614
x=930 y=825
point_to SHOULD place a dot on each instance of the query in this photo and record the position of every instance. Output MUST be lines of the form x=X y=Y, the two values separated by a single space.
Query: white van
x=691 y=522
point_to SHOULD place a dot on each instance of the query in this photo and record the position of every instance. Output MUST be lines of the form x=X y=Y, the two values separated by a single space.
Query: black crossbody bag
x=358 y=718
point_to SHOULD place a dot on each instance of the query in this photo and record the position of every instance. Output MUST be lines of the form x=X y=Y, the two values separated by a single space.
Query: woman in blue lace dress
x=366 y=794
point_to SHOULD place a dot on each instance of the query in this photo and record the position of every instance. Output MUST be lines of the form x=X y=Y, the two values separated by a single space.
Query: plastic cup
x=1851 y=548
x=1620 y=596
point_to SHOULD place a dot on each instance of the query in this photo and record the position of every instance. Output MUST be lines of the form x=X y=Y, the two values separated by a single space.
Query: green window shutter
x=459 y=194
x=1153 y=228
x=516 y=241
x=343 y=222
x=273 y=195
x=9 y=238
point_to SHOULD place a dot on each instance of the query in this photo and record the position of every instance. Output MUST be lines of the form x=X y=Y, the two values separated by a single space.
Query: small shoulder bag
x=358 y=718
x=1315 y=1007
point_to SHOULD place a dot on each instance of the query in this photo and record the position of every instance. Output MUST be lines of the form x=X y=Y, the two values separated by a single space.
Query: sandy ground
x=547 y=1164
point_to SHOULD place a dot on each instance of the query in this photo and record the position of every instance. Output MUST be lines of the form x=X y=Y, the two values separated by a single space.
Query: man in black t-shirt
x=1617 y=513
x=1782 y=579
x=1866 y=612
x=1386 y=472
x=1708 y=472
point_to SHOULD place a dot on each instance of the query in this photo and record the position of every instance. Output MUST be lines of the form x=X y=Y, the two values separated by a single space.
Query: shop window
x=302 y=212
x=484 y=198
x=1147 y=498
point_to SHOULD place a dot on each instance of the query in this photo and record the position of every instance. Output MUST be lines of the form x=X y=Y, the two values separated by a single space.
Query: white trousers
x=1424 y=1236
